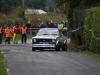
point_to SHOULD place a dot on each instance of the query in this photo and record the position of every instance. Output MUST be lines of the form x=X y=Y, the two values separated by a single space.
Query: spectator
x=1 y=32
x=55 y=25
x=66 y=24
x=48 y=25
x=28 y=27
x=8 y=32
x=64 y=30
x=60 y=25
x=42 y=25
x=51 y=24
x=16 y=30
x=23 y=34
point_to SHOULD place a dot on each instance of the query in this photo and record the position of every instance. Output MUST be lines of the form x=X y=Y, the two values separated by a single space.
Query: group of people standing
x=15 y=33
x=51 y=24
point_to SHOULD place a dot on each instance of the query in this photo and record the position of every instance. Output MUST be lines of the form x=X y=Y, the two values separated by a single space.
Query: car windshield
x=53 y=32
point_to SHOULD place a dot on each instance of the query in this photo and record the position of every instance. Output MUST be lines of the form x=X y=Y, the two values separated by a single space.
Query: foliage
x=37 y=19
x=7 y=6
x=75 y=15
x=92 y=22
x=78 y=18
x=37 y=4
x=16 y=16
x=2 y=65
x=3 y=19
x=89 y=3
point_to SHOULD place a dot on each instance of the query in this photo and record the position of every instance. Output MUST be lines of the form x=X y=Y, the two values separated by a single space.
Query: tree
x=72 y=8
x=35 y=4
x=8 y=5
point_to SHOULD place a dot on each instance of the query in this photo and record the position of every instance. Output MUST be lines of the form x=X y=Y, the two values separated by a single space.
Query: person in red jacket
x=8 y=32
x=1 y=30
x=16 y=31
x=24 y=34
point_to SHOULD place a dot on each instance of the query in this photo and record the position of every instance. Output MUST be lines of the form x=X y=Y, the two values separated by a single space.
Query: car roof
x=49 y=28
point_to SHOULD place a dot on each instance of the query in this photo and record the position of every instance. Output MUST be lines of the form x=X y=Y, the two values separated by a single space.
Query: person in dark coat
x=48 y=25
x=42 y=25
x=51 y=24
x=28 y=27
x=55 y=25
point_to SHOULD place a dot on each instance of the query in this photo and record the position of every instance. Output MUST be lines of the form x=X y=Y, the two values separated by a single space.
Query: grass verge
x=91 y=54
x=3 y=70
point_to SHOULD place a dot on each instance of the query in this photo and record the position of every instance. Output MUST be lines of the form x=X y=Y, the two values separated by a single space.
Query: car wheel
x=57 y=48
x=33 y=49
x=64 y=48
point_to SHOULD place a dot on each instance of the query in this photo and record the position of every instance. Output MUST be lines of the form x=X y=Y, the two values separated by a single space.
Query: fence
x=72 y=31
x=34 y=31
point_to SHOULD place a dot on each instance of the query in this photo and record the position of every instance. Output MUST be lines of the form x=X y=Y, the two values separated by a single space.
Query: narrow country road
x=22 y=61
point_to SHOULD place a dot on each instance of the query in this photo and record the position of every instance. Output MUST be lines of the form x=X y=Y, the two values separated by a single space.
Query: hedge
x=92 y=29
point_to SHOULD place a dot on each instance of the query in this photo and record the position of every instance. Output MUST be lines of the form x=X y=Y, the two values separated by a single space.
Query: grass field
x=91 y=54
x=3 y=70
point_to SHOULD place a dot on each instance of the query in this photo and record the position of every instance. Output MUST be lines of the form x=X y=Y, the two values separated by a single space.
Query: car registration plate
x=43 y=42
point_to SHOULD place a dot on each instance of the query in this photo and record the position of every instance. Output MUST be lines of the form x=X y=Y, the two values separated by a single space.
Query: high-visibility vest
x=24 y=30
x=0 y=30
x=60 y=26
x=8 y=32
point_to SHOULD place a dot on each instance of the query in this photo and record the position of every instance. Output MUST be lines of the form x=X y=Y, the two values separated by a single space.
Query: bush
x=92 y=22
x=16 y=16
x=3 y=20
x=37 y=19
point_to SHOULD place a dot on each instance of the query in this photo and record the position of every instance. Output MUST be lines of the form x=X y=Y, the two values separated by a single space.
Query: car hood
x=45 y=37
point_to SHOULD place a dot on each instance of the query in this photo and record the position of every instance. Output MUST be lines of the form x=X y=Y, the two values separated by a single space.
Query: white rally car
x=49 y=38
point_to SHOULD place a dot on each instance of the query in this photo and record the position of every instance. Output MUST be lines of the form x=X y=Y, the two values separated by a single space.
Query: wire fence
x=73 y=31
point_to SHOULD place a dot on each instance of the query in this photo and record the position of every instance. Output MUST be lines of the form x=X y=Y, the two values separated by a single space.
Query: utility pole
x=23 y=3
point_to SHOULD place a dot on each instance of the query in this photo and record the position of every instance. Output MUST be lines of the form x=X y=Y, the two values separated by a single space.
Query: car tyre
x=57 y=48
x=64 y=48
x=33 y=49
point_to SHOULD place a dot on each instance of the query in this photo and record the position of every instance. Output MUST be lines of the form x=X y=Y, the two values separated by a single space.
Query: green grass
x=91 y=54
x=3 y=70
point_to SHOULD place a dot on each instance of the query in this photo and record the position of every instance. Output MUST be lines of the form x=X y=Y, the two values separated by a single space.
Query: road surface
x=22 y=61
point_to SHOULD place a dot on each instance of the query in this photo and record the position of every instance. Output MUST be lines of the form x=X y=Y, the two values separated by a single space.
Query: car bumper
x=43 y=45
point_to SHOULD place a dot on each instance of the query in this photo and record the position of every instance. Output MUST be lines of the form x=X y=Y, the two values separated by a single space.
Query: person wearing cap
x=1 y=31
x=24 y=34
x=16 y=31
x=8 y=32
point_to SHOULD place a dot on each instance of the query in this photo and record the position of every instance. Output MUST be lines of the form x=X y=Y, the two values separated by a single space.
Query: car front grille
x=46 y=41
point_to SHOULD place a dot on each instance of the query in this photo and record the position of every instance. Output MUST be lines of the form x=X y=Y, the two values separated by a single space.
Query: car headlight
x=34 y=40
x=53 y=40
